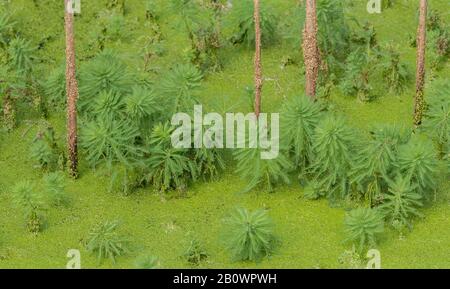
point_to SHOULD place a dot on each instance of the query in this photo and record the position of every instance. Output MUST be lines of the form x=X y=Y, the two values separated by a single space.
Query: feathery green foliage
x=436 y=122
x=6 y=29
x=333 y=35
x=333 y=149
x=417 y=161
x=377 y=160
x=195 y=253
x=312 y=191
x=262 y=172
x=104 y=241
x=20 y=54
x=55 y=188
x=299 y=118
x=291 y=25
x=363 y=226
x=202 y=23
x=358 y=71
x=250 y=235
x=105 y=73
x=110 y=142
x=43 y=154
x=241 y=18
x=161 y=135
x=44 y=150
x=209 y=162
x=55 y=87
x=108 y=105
x=169 y=168
x=31 y=203
x=141 y=104
x=395 y=73
x=178 y=87
x=401 y=202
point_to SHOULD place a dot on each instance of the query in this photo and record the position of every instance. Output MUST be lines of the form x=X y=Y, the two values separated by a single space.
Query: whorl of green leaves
x=333 y=149
x=110 y=142
x=333 y=34
x=209 y=162
x=141 y=104
x=292 y=24
x=437 y=116
x=195 y=253
x=266 y=173
x=108 y=105
x=31 y=203
x=395 y=73
x=6 y=29
x=55 y=87
x=299 y=118
x=106 y=72
x=401 y=202
x=417 y=160
x=187 y=9
x=115 y=25
x=170 y=168
x=249 y=235
x=363 y=226
x=161 y=135
x=358 y=69
x=241 y=19
x=20 y=54
x=44 y=150
x=179 y=85
x=55 y=188
x=43 y=154
x=377 y=160
x=104 y=241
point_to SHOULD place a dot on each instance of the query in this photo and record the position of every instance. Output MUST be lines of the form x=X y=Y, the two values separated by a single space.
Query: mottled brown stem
x=419 y=103
x=72 y=94
x=9 y=111
x=311 y=49
x=258 y=66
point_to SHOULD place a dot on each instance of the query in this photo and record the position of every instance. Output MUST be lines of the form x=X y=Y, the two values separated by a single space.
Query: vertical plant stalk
x=311 y=49
x=9 y=111
x=72 y=93
x=258 y=66
x=419 y=103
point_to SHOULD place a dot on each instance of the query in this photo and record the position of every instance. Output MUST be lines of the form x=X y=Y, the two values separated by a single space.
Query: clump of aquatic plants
x=106 y=242
x=31 y=203
x=377 y=160
x=333 y=156
x=401 y=202
x=363 y=227
x=250 y=235
x=299 y=118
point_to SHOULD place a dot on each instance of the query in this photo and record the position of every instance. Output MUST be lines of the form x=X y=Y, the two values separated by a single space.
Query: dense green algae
x=311 y=231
